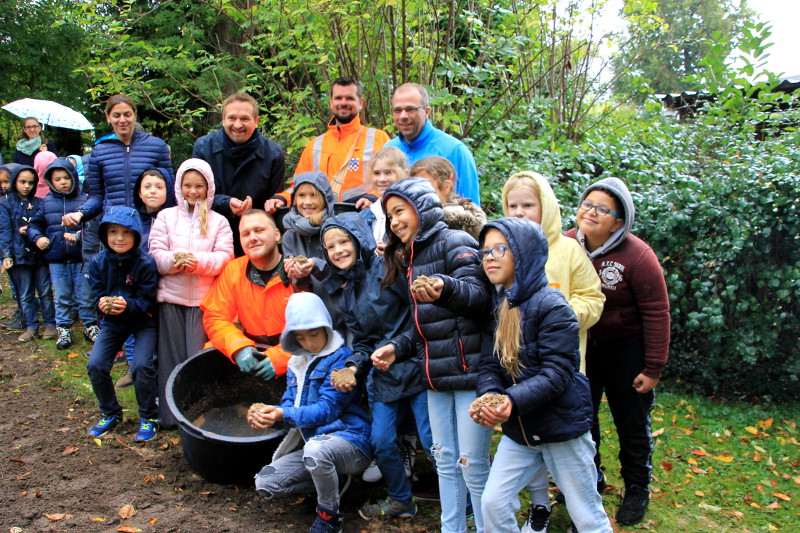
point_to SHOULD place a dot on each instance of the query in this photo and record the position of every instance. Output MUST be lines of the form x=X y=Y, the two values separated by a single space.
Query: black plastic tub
x=209 y=396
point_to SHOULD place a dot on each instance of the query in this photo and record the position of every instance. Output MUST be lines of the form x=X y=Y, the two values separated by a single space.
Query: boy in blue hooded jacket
x=124 y=280
x=329 y=433
x=61 y=246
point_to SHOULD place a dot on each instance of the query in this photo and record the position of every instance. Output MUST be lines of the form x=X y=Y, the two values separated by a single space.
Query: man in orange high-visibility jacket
x=343 y=151
x=252 y=290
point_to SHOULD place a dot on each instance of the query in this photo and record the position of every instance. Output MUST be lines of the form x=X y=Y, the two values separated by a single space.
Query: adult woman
x=118 y=159
x=31 y=142
x=627 y=348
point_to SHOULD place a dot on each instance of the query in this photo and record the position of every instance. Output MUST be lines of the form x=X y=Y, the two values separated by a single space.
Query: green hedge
x=721 y=212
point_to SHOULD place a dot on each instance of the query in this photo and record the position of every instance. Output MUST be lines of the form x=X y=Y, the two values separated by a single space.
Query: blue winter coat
x=114 y=167
x=15 y=213
x=47 y=220
x=374 y=316
x=146 y=217
x=551 y=399
x=132 y=275
x=448 y=331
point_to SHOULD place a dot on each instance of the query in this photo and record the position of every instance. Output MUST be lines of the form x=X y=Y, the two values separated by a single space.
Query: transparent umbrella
x=50 y=113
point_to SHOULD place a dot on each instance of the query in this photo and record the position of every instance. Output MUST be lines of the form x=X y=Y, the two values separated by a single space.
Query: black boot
x=327 y=521
x=634 y=505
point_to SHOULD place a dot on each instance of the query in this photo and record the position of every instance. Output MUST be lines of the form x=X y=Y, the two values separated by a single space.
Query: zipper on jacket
x=409 y=273
x=463 y=359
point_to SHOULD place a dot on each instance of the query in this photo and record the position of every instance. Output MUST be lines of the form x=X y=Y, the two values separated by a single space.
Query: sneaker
x=634 y=505
x=15 y=323
x=388 y=507
x=64 y=338
x=148 y=429
x=538 y=519
x=106 y=424
x=327 y=521
x=120 y=358
x=50 y=332
x=27 y=335
x=125 y=380
x=372 y=474
x=408 y=451
x=91 y=332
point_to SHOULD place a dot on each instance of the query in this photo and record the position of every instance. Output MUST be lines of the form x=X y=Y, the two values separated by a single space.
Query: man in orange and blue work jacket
x=341 y=152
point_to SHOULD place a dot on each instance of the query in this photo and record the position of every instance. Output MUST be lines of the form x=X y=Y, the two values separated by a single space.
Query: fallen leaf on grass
x=699 y=493
x=175 y=442
x=152 y=521
x=699 y=453
x=98 y=519
x=692 y=461
x=72 y=355
x=63 y=430
x=658 y=432
x=55 y=517
x=766 y=423
x=773 y=528
x=70 y=450
x=98 y=442
x=697 y=470
x=755 y=505
x=128 y=529
x=23 y=476
x=712 y=508
x=751 y=429
x=773 y=505
x=666 y=466
x=782 y=496
x=127 y=511
x=298 y=501
x=724 y=458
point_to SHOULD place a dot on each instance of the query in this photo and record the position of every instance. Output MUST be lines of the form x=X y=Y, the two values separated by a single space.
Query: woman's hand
x=70 y=237
x=72 y=219
x=644 y=384
x=430 y=293
x=43 y=242
x=490 y=417
x=383 y=357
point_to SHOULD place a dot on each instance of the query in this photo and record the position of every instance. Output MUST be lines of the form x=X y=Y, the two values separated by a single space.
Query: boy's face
x=62 y=181
x=340 y=249
x=24 y=183
x=383 y=175
x=120 y=238
x=5 y=180
x=312 y=340
x=524 y=203
x=153 y=192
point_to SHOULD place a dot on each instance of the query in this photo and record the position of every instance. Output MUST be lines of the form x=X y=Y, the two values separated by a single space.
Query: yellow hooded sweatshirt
x=568 y=268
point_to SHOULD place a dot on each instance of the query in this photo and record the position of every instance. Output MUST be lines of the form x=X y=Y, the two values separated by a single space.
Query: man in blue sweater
x=418 y=138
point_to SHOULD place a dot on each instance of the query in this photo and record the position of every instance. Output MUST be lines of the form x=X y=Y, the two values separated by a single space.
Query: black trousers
x=612 y=369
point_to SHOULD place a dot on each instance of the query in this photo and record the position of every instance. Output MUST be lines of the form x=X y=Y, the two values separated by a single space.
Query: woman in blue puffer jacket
x=118 y=159
x=447 y=315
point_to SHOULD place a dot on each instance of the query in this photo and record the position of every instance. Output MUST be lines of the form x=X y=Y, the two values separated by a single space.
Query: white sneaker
x=372 y=474
x=408 y=451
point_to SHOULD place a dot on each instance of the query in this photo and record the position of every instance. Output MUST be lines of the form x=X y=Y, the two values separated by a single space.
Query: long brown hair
x=396 y=255
x=22 y=135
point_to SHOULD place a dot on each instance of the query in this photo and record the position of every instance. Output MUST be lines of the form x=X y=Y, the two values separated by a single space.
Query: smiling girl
x=191 y=245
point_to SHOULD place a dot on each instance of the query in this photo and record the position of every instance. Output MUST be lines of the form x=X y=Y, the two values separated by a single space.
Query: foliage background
x=527 y=84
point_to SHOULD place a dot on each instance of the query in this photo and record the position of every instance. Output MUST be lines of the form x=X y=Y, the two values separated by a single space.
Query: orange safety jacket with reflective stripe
x=327 y=153
x=259 y=309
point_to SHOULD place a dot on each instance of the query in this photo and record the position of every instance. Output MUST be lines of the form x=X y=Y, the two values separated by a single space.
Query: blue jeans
x=386 y=418
x=31 y=280
x=72 y=290
x=461 y=451
x=316 y=466
x=571 y=463
x=143 y=369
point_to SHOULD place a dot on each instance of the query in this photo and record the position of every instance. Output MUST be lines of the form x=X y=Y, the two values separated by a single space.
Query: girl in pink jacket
x=191 y=244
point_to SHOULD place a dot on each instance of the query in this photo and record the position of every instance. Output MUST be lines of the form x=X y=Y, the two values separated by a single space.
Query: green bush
x=721 y=212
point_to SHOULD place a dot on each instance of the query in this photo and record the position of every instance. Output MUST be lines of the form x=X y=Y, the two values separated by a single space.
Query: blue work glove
x=265 y=370
x=246 y=358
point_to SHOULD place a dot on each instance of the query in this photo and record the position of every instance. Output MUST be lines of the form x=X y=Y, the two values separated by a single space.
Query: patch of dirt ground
x=54 y=477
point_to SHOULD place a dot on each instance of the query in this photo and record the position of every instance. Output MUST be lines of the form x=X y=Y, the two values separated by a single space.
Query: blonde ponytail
x=202 y=216
x=508 y=337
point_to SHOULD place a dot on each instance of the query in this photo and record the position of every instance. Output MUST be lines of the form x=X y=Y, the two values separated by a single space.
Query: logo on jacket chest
x=353 y=165
x=610 y=274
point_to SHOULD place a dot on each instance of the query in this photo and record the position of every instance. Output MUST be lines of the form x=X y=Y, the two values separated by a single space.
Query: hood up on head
x=360 y=234
x=619 y=190
x=423 y=198
x=306 y=310
x=61 y=163
x=127 y=217
x=169 y=185
x=320 y=182
x=205 y=170
x=551 y=212
x=15 y=172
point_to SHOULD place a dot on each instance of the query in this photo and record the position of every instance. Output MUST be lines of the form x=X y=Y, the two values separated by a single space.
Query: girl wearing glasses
x=628 y=346
x=532 y=358
x=448 y=313
x=31 y=142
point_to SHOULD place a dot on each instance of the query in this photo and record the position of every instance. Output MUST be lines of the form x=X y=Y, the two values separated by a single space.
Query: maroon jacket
x=637 y=303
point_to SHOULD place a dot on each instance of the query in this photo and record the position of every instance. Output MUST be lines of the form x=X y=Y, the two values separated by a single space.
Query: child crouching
x=330 y=432
x=124 y=281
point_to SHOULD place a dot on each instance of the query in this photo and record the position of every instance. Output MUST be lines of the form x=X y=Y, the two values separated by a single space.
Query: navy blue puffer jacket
x=448 y=331
x=47 y=220
x=551 y=399
x=115 y=166
x=373 y=316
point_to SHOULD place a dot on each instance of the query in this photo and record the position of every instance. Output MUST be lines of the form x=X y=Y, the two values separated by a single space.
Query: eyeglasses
x=408 y=109
x=600 y=209
x=32 y=127
x=498 y=252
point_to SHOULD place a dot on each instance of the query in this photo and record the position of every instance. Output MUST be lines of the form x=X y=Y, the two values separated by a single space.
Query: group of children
x=444 y=319
x=444 y=306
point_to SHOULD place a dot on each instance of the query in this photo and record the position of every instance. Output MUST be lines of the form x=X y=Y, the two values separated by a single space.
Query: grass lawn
x=718 y=465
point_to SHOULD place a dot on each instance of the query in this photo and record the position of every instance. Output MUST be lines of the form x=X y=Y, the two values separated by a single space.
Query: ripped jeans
x=317 y=465
x=461 y=450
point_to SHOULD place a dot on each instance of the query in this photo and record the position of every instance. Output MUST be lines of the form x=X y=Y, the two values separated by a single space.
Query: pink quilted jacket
x=177 y=230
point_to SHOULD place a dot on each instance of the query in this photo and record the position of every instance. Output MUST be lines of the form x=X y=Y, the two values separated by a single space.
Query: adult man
x=252 y=290
x=248 y=168
x=418 y=139
x=341 y=152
